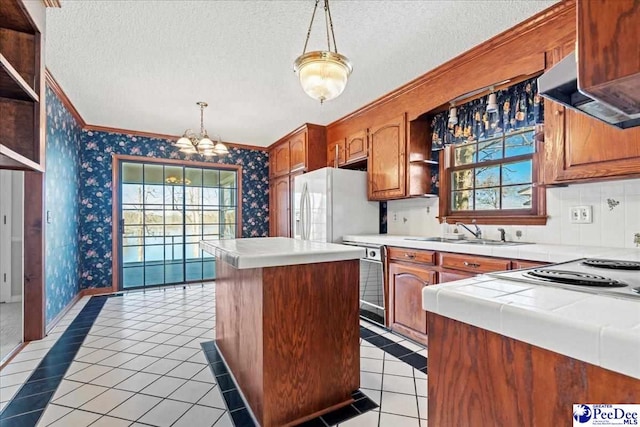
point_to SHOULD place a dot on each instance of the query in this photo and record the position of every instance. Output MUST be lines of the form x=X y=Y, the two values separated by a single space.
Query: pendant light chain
x=313 y=15
x=327 y=12
x=202 y=119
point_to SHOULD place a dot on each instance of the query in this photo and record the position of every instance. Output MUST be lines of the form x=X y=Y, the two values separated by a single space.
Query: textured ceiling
x=142 y=65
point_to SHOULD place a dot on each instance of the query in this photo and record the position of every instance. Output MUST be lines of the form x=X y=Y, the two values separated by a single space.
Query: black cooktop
x=612 y=264
x=575 y=278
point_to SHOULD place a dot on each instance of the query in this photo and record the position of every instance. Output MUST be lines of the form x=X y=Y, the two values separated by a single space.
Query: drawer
x=474 y=263
x=412 y=255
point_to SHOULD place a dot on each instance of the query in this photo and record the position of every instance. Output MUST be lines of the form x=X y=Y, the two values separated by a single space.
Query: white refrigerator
x=330 y=203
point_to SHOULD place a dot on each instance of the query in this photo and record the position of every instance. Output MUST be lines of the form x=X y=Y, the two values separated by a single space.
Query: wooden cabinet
x=518 y=264
x=298 y=152
x=580 y=148
x=446 y=275
x=387 y=162
x=279 y=207
x=21 y=89
x=609 y=52
x=336 y=153
x=303 y=150
x=356 y=147
x=473 y=263
x=280 y=159
x=349 y=150
x=406 y=315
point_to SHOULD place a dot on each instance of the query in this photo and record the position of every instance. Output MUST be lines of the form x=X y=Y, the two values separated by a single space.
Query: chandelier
x=192 y=143
x=323 y=74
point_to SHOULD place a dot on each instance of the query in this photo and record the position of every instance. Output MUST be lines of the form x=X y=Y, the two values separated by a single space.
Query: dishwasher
x=372 y=296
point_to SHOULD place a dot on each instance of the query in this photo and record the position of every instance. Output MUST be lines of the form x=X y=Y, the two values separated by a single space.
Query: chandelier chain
x=333 y=35
x=202 y=120
x=313 y=15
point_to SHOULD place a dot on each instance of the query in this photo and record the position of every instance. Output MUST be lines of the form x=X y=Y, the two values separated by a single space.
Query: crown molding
x=94 y=128
x=57 y=89
x=531 y=24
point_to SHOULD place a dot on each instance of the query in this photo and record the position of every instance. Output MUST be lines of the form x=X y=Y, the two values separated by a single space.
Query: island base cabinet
x=290 y=336
x=480 y=378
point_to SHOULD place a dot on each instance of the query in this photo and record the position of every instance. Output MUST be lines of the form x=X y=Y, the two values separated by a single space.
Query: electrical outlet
x=581 y=214
x=395 y=217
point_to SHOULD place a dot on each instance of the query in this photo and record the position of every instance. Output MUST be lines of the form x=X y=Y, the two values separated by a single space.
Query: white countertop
x=277 y=251
x=601 y=330
x=530 y=252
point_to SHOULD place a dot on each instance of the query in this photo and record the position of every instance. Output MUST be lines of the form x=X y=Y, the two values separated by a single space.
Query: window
x=493 y=181
x=491 y=175
x=489 y=164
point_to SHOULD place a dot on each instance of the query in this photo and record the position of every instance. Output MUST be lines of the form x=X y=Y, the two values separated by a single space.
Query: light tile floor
x=141 y=365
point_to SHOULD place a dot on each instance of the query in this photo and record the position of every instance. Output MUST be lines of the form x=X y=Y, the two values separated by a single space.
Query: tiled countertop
x=601 y=330
x=530 y=252
x=277 y=251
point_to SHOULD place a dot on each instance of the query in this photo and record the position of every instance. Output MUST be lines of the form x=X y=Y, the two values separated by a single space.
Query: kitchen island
x=287 y=324
x=521 y=354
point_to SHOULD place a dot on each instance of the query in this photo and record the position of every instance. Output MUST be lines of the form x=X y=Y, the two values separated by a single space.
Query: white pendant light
x=192 y=143
x=323 y=74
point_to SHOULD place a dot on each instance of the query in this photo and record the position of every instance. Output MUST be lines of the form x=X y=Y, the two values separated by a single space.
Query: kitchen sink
x=490 y=242
x=433 y=239
x=486 y=242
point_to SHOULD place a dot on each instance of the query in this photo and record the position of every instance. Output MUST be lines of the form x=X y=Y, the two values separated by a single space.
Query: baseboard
x=64 y=311
x=96 y=291
x=11 y=355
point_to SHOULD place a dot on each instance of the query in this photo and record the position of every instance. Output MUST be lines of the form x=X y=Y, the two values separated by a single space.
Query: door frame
x=117 y=161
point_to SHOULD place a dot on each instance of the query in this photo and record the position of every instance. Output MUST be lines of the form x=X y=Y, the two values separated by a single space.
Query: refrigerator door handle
x=302 y=211
x=307 y=211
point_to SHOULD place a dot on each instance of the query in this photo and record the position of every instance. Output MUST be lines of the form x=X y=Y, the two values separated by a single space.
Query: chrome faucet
x=502 y=234
x=477 y=233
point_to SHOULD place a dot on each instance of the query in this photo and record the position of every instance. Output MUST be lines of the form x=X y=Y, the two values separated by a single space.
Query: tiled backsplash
x=616 y=216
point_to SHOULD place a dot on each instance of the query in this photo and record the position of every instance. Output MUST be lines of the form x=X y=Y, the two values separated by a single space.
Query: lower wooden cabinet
x=406 y=315
x=445 y=276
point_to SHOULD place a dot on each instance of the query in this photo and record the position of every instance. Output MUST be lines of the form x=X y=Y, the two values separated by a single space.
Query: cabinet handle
x=558 y=112
x=335 y=160
x=410 y=256
x=471 y=264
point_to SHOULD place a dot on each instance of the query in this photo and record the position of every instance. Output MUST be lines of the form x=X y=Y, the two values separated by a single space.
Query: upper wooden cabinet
x=298 y=152
x=279 y=159
x=580 y=148
x=387 y=162
x=609 y=52
x=398 y=159
x=302 y=150
x=21 y=89
x=356 y=147
x=335 y=153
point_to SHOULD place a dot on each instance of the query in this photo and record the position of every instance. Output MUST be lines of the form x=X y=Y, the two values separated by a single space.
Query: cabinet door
x=298 y=152
x=281 y=159
x=281 y=213
x=445 y=276
x=406 y=315
x=608 y=39
x=356 y=147
x=387 y=163
x=335 y=150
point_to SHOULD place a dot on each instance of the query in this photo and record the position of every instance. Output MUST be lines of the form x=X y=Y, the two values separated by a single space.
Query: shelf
x=9 y=159
x=12 y=85
x=429 y=162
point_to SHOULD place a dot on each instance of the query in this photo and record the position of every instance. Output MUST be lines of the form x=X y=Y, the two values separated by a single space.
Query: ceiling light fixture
x=192 y=143
x=323 y=74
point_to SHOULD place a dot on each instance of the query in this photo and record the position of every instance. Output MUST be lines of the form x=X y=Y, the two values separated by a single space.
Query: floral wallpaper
x=62 y=191
x=96 y=194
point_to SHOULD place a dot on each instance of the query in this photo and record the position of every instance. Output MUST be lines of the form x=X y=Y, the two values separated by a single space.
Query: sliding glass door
x=165 y=210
